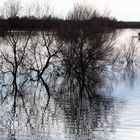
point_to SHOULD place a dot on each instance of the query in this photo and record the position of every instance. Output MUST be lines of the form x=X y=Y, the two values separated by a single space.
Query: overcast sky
x=128 y=10
x=121 y=9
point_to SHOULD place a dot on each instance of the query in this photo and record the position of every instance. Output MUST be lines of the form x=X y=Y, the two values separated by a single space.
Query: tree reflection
x=94 y=119
x=69 y=63
x=130 y=75
x=126 y=64
x=65 y=115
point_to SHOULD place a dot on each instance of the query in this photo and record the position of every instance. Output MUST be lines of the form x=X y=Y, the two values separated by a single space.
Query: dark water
x=113 y=114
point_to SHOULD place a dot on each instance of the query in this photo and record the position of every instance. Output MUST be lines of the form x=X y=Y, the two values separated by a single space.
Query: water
x=113 y=115
x=128 y=90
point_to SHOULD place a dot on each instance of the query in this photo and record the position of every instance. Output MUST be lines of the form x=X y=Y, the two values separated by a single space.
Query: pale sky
x=128 y=10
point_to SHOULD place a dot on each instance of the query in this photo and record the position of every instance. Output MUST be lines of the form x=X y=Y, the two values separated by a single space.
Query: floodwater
x=111 y=115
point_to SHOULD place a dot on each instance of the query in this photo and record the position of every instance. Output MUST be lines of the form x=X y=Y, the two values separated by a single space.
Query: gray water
x=111 y=115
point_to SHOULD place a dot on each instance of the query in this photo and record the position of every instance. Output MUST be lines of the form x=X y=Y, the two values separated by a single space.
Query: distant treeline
x=25 y=23
x=128 y=24
x=50 y=23
x=39 y=18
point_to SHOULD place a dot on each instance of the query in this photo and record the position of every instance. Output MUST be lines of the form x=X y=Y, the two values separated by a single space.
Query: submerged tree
x=88 y=47
x=23 y=53
x=13 y=53
x=83 y=43
x=43 y=58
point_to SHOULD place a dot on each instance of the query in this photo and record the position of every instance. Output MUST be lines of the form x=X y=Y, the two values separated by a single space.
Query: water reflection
x=65 y=117
x=126 y=60
x=129 y=75
x=93 y=119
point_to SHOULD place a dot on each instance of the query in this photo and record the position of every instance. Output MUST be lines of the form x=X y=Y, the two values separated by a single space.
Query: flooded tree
x=51 y=77
x=23 y=53
x=88 y=47
x=13 y=52
x=43 y=58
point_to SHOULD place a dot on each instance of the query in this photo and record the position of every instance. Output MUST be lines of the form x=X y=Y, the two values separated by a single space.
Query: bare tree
x=38 y=11
x=43 y=57
x=13 y=54
x=13 y=50
x=82 y=12
x=11 y=8
x=87 y=49
x=130 y=52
